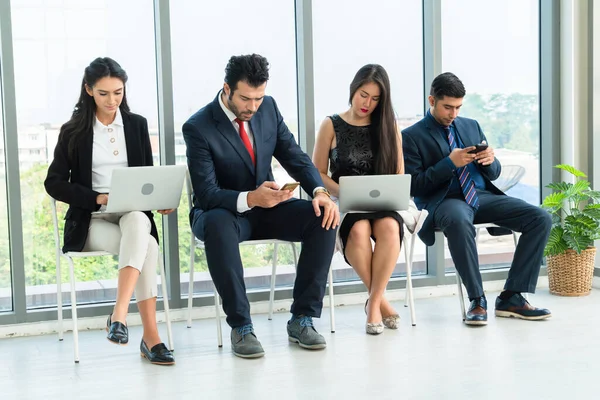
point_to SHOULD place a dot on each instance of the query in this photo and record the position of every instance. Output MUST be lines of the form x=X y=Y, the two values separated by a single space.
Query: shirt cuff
x=450 y=164
x=242 y=202
x=317 y=188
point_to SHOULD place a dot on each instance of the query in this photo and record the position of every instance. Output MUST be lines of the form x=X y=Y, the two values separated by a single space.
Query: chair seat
x=486 y=225
x=200 y=243
x=478 y=226
x=75 y=254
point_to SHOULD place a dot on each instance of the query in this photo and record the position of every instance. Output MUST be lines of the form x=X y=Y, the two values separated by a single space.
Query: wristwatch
x=322 y=190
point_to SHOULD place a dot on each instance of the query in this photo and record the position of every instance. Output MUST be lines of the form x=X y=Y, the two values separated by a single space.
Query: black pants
x=456 y=218
x=295 y=221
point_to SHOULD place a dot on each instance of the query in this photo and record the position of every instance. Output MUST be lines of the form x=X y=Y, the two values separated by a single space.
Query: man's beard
x=236 y=111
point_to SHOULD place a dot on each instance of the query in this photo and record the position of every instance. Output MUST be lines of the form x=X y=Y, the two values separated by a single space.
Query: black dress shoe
x=159 y=354
x=516 y=306
x=477 y=314
x=117 y=331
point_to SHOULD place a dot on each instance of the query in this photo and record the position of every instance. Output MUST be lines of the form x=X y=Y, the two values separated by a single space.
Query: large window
x=5 y=279
x=53 y=43
x=265 y=27
x=348 y=35
x=500 y=69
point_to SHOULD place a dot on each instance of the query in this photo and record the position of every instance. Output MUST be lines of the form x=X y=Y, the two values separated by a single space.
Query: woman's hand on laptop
x=102 y=199
x=165 y=212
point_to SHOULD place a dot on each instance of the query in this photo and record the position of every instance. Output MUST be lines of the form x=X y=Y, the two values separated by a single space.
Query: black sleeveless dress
x=354 y=155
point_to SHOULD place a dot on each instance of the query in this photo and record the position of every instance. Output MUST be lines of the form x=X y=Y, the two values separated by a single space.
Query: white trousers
x=128 y=236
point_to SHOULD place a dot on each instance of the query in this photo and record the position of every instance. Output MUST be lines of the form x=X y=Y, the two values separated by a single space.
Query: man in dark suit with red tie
x=452 y=180
x=230 y=144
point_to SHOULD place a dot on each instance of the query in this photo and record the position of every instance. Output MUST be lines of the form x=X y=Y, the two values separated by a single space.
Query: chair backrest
x=509 y=177
x=55 y=223
x=189 y=190
x=190 y=198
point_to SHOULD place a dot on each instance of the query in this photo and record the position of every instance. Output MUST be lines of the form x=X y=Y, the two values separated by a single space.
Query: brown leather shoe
x=477 y=314
x=517 y=307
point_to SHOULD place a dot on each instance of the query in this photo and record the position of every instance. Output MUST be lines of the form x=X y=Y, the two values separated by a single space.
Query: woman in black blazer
x=101 y=135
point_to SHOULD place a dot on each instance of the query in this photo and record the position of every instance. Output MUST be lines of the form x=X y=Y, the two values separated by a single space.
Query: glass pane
x=197 y=78
x=5 y=278
x=343 y=44
x=502 y=94
x=60 y=39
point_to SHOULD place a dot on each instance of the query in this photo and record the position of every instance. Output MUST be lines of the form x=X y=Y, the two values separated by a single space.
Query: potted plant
x=570 y=251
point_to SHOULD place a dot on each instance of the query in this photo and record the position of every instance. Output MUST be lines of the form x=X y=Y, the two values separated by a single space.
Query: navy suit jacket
x=425 y=151
x=220 y=166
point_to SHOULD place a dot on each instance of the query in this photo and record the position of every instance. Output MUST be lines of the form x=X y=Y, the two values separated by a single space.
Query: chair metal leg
x=74 y=310
x=165 y=295
x=477 y=236
x=59 y=301
x=408 y=252
x=273 y=277
x=218 y=317
x=408 y=243
x=461 y=296
x=191 y=281
x=331 y=302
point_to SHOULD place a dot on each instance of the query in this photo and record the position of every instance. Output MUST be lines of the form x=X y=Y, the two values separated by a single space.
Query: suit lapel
x=132 y=143
x=464 y=138
x=434 y=131
x=225 y=127
x=256 y=126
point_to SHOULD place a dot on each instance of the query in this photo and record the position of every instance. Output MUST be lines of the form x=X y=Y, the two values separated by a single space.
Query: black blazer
x=69 y=179
x=220 y=166
x=424 y=151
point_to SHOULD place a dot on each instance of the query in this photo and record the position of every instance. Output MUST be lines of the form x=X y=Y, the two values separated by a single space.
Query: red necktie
x=246 y=140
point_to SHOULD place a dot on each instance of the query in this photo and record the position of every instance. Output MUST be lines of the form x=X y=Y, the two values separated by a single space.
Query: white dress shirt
x=242 y=200
x=109 y=152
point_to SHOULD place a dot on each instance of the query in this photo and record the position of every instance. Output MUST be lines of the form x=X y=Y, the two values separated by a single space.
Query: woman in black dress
x=364 y=140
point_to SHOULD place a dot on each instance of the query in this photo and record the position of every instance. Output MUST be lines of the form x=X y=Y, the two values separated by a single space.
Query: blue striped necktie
x=464 y=178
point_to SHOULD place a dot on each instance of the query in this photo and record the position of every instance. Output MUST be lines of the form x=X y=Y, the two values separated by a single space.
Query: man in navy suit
x=453 y=181
x=230 y=144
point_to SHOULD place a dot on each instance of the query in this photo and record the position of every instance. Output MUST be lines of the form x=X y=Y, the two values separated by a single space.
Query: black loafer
x=117 y=332
x=477 y=314
x=159 y=354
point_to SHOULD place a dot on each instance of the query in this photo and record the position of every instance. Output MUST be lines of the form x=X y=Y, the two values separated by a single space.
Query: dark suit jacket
x=69 y=179
x=220 y=166
x=424 y=152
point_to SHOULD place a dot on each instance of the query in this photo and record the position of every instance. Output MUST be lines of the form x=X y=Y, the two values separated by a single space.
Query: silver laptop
x=374 y=193
x=145 y=188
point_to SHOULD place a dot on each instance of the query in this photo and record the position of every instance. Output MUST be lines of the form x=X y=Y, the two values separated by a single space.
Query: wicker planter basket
x=571 y=274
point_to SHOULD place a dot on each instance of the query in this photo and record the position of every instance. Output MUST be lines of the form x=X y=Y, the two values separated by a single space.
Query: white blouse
x=109 y=152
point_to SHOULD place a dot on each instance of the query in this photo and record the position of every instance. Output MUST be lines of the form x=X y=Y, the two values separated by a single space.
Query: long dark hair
x=383 y=121
x=84 y=113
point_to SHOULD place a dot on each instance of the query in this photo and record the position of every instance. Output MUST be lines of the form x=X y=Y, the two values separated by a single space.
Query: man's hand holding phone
x=485 y=156
x=267 y=195
x=462 y=157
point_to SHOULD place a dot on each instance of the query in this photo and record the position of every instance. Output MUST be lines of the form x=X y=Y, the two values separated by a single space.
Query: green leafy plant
x=575 y=211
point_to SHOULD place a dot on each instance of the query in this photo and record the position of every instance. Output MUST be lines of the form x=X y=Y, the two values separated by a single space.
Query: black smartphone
x=479 y=148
